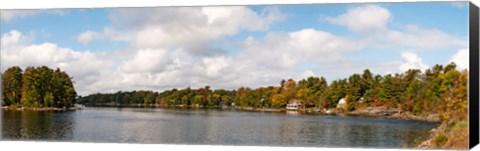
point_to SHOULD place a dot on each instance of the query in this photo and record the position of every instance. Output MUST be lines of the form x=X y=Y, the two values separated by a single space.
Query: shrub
x=440 y=139
x=388 y=104
x=416 y=109
x=450 y=125
x=375 y=104
x=417 y=141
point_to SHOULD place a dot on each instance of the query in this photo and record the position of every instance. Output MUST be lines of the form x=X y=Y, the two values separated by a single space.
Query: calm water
x=202 y=126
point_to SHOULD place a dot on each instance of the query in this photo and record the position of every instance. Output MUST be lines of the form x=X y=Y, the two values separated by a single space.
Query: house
x=293 y=104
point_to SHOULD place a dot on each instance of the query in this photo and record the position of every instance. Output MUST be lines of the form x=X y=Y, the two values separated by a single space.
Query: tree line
x=440 y=89
x=37 y=87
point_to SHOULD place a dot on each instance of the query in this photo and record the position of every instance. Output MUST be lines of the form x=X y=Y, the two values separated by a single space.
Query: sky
x=227 y=47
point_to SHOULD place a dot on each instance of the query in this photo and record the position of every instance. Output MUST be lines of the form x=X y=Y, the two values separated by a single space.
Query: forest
x=440 y=89
x=37 y=87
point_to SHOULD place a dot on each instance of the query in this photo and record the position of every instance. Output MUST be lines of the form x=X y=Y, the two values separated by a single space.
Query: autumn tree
x=289 y=89
x=278 y=100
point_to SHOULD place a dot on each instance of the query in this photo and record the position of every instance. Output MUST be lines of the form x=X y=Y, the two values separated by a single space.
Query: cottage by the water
x=293 y=104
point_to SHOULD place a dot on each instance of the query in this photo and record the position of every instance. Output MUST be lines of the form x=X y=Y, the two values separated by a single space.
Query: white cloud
x=306 y=74
x=11 y=37
x=213 y=66
x=265 y=61
x=10 y=15
x=412 y=61
x=87 y=36
x=232 y=19
x=147 y=61
x=461 y=59
x=315 y=41
x=367 y=19
x=189 y=28
x=286 y=50
x=414 y=36
x=15 y=39
x=83 y=66
x=160 y=69
x=261 y=62
x=108 y=33
x=373 y=26
x=371 y=22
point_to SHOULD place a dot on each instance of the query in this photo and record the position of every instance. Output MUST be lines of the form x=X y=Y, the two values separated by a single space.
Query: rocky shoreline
x=259 y=109
x=394 y=113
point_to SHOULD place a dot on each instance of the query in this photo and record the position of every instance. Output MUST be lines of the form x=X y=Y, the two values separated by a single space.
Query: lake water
x=210 y=126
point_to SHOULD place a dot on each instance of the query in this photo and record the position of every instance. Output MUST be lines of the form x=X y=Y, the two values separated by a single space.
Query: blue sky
x=115 y=49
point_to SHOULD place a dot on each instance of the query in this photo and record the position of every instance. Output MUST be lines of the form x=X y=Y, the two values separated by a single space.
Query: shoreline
x=394 y=113
x=383 y=112
x=6 y=108
x=380 y=112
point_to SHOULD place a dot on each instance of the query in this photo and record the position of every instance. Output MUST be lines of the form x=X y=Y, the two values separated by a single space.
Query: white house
x=293 y=104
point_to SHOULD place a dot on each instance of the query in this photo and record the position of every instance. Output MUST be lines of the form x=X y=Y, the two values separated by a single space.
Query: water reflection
x=218 y=127
x=30 y=125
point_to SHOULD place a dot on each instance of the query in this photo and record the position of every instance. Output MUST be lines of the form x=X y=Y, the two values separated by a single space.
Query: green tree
x=12 y=85
x=48 y=99
x=412 y=97
x=198 y=99
x=67 y=98
x=316 y=87
x=305 y=95
x=30 y=92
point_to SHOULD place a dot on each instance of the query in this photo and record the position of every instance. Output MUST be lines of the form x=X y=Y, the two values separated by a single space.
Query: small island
x=38 y=88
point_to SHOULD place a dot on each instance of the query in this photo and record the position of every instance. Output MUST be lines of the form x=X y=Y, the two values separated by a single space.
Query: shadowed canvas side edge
x=474 y=75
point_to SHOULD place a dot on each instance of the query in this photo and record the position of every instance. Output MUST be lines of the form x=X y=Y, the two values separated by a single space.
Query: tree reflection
x=32 y=125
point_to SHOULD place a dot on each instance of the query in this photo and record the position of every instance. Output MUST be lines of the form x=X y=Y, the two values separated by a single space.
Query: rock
x=330 y=111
